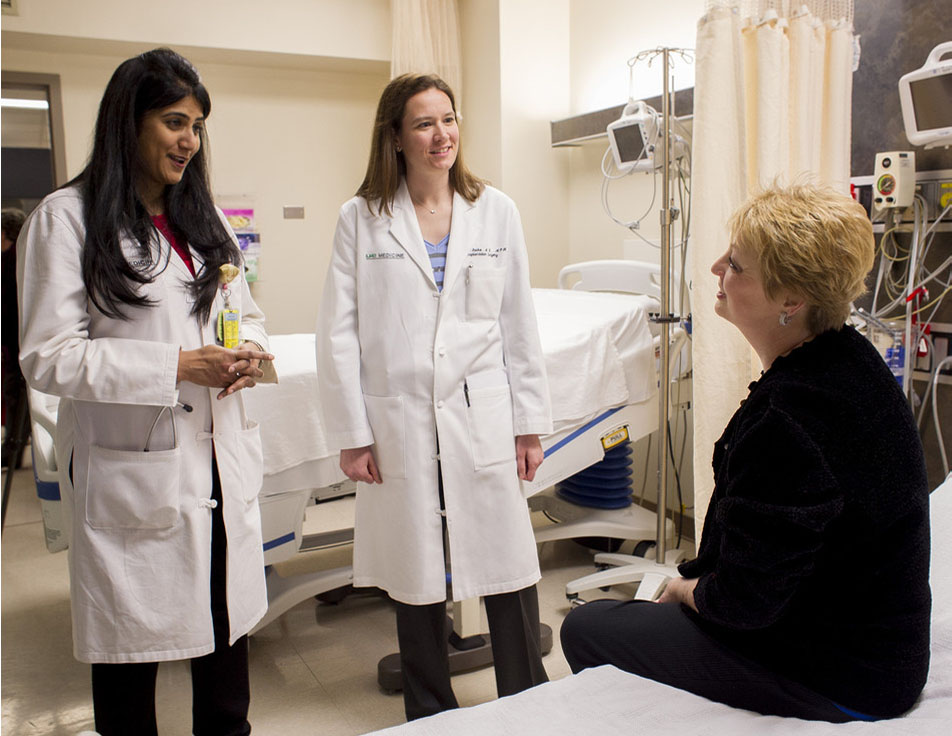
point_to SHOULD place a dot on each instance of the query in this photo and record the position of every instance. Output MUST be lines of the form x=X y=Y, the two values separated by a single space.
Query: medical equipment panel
x=894 y=179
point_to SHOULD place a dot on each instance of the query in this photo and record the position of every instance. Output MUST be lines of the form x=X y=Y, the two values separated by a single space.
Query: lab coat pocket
x=484 y=288
x=240 y=462
x=489 y=416
x=386 y=416
x=251 y=461
x=133 y=489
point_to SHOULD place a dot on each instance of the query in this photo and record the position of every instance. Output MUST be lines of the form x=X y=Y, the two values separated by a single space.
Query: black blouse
x=814 y=558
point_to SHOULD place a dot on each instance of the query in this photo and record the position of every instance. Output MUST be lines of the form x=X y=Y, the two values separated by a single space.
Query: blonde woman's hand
x=680 y=590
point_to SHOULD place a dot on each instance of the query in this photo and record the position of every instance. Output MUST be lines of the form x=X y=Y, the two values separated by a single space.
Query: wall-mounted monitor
x=926 y=99
x=633 y=138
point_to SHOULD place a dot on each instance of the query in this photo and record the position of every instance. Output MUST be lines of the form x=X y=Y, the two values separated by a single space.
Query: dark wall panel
x=27 y=173
x=896 y=36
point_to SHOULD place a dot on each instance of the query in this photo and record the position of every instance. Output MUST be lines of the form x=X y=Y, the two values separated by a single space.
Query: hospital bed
x=600 y=358
x=606 y=700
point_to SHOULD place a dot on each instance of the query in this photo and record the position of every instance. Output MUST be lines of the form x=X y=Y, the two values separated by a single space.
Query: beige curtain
x=426 y=40
x=771 y=102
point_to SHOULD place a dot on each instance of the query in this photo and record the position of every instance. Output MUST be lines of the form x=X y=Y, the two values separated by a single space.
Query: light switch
x=293 y=212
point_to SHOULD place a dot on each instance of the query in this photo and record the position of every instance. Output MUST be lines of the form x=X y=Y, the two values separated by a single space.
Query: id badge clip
x=229 y=319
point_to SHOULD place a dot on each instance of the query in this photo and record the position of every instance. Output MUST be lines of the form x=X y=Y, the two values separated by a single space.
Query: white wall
x=481 y=119
x=283 y=130
x=290 y=127
x=515 y=67
x=604 y=35
x=357 y=29
x=534 y=64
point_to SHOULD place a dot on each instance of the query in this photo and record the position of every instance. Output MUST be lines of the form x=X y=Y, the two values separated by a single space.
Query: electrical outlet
x=943 y=195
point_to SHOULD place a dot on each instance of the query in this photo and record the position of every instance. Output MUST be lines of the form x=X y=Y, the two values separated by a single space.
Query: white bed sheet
x=606 y=700
x=292 y=429
x=598 y=349
x=601 y=337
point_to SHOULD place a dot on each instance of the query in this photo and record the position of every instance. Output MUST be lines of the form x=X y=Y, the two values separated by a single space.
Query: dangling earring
x=784 y=319
x=399 y=149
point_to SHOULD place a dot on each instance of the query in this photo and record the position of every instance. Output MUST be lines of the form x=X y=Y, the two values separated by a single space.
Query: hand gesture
x=218 y=367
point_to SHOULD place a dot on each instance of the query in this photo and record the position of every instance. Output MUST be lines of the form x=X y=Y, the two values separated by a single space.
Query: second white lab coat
x=140 y=526
x=401 y=364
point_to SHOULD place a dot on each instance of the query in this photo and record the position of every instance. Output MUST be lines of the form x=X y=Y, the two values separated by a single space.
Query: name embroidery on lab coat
x=487 y=252
x=384 y=256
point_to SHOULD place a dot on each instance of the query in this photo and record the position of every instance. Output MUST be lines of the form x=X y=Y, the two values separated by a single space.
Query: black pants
x=17 y=409
x=424 y=652
x=422 y=634
x=124 y=694
x=661 y=642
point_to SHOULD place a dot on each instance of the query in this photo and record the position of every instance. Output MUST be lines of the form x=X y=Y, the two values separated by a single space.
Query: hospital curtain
x=426 y=40
x=771 y=103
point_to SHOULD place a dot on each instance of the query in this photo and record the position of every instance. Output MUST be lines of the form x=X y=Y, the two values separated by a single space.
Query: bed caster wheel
x=335 y=596
x=642 y=548
x=600 y=544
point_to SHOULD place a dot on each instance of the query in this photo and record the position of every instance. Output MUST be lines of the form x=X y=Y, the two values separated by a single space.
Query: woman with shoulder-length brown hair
x=433 y=384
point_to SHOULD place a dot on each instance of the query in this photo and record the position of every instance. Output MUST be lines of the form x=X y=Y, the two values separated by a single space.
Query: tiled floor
x=313 y=671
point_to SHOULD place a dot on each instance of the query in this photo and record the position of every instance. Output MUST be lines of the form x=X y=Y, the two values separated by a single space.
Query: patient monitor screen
x=631 y=146
x=932 y=102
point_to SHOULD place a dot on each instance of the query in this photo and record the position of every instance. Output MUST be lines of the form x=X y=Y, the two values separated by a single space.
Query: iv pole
x=664 y=318
x=653 y=574
x=654 y=580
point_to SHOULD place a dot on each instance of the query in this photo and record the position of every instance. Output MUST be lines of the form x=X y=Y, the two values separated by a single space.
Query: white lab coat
x=400 y=363
x=140 y=546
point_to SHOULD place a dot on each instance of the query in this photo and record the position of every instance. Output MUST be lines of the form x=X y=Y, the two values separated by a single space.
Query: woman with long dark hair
x=132 y=310
x=433 y=382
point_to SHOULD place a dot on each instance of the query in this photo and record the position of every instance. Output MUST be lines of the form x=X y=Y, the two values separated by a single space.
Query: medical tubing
x=677 y=480
x=907 y=387
x=607 y=159
x=897 y=288
x=913 y=276
x=644 y=480
x=632 y=225
x=155 y=421
x=925 y=398
x=935 y=413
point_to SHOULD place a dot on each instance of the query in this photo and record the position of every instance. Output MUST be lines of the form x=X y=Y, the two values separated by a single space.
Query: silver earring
x=784 y=319
x=399 y=149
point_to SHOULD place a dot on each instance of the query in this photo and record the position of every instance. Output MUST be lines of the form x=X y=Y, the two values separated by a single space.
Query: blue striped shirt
x=437 y=255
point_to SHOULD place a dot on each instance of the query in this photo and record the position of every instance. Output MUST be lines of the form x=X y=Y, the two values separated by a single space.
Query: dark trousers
x=16 y=409
x=422 y=634
x=424 y=650
x=124 y=694
x=661 y=642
